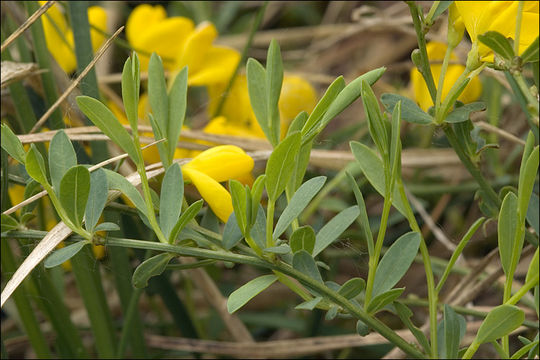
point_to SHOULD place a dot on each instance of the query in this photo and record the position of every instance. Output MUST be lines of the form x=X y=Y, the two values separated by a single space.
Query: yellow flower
x=59 y=36
x=180 y=43
x=296 y=95
x=482 y=16
x=213 y=166
x=436 y=52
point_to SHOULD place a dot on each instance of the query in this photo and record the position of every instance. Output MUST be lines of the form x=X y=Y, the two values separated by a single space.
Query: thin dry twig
x=26 y=24
x=76 y=82
x=505 y=134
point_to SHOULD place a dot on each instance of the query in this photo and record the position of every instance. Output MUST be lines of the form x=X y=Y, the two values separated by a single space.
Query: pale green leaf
x=278 y=168
x=11 y=143
x=170 y=203
x=64 y=254
x=303 y=238
x=97 y=198
x=248 y=291
x=499 y=322
x=151 y=267
x=508 y=221
x=334 y=228
x=61 y=158
x=74 y=191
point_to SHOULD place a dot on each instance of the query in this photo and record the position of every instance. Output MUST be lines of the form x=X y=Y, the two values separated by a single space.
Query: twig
x=26 y=24
x=505 y=134
x=76 y=82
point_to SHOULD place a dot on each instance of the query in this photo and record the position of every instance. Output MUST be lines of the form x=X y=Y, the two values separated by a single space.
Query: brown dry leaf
x=13 y=71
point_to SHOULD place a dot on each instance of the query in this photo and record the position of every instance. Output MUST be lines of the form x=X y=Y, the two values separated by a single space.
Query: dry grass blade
x=26 y=24
x=505 y=134
x=13 y=71
x=45 y=246
x=76 y=82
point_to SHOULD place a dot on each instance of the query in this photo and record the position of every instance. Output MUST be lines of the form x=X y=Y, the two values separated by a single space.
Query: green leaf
x=376 y=122
x=107 y=226
x=11 y=143
x=508 y=221
x=97 y=198
x=331 y=313
x=363 y=217
x=334 y=228
x=519 y=354
x=303 y=238
x=61 y=157
x=352 y=288
x=372 y=167
x=35 y=166
x=361 y=328
x=348 y=95
x=463 y=113
x=177 y=109
x=74 y=191
x=64 y=254
x=533 y=267
x=157 y=91
x=395 y=144
x=301 y=164
x=383 y=299
x=248 y=291
x=231 y=233
x=298 y=203
x=278 y=168
x=309 y=304
x=320 y=109
x=441 y=7
x=153 y=266
x=238 y=195
x=256 y=79
x=499 y=322
x=396 y=262
x=531 y=53
x=9 y=223
x=298 y=122
x=120 y=183
x=256 y=194
x=170 y=201
x=498 y=43
x=409 y=110
x=188 y=215
x=526 y=182
x=105 y=120
x=453 y=332
x=405 y=314
x=130 y=95
x=533 y=214
x=258 y=231
x=303 y=262
x=274 y=80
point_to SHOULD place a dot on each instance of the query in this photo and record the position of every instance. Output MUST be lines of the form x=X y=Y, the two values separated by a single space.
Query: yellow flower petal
x=217 y=66
x=97 y=16
x=59 y=38
x=482 y=16
x=236 y=108
x=435 y=52
x=141 y=19
x=222 y=162
x=196 y=47
x=217 y=197
x=297 y=95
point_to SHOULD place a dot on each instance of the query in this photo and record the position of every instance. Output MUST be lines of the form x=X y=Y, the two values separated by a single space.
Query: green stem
x=282 y=267
x=518 y=27
x=256 y=24
x=444 y=68
x=285 y=280
x=374 y=260
x=426 y=69
x=524 y=289
x=270 y=223
x=252 y=244
x=491 y=195
x=429 y=17
x=430 y=280
x=532 y=104
x=471 y=350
